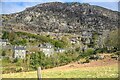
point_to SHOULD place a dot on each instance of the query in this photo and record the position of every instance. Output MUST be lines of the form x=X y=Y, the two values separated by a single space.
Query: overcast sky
x=13 y=6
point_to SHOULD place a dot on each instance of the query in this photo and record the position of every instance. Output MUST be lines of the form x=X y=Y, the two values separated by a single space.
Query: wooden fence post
x=39 y=73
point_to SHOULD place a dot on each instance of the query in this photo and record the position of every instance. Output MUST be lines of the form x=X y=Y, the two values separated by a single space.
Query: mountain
x=62 y=17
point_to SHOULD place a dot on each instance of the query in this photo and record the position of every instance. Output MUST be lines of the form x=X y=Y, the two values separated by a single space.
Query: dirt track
x=105 y=62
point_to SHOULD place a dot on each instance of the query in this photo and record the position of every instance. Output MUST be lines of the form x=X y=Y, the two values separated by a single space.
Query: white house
x=47 y=49
x=3 y=42
x=87 y=34
x=59 y=50
x=74 y=40
x=83 y=47
x=19 y=52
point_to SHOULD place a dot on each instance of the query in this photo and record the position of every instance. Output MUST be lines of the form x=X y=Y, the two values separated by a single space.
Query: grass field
x=84 y=72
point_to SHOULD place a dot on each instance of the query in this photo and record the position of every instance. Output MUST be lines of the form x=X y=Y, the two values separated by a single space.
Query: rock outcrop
x=63 y=17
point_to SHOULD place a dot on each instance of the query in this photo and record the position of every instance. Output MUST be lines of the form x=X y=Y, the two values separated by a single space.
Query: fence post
x=39 y=73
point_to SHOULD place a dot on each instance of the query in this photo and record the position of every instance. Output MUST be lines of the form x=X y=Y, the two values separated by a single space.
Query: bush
x=58 y=44
x=101 y=50
x=3 y=53
x=8 y=70
x=37 y=59
x=90 y=51
x=117 y=53
x=87 y=53
x=87 y=60
x=19 y=69
x=6 y=59
x=18 y=61
x=84 y=60
x=114 y=56
x=94 y=57
x=15 y=60
x=5 y=35
x=77 y=49
x=98 y=51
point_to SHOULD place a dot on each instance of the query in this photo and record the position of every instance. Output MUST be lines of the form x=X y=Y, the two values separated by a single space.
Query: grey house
x=3 y=42
x=47 y=49
x=19 y=52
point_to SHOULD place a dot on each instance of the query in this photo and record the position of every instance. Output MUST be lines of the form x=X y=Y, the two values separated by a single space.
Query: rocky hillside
x=62 y=17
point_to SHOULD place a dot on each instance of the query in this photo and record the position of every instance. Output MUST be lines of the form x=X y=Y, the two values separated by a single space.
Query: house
x=3 y=42
x=19 y=52
x=60 y=50
x=84 y=47
x=86 y=34
x=47 y=48
x=86 y=40
x=74 y=40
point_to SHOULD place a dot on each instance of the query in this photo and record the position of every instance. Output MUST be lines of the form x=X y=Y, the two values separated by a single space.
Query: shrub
x=19 y=69
x=15 y=60
x=87 y=53
x=117 y=53
x=3 y=53
x=94 y=57
x=87 y=60
x=90 y=51
x=37 y=59
x=98 y=51
x=77 y=49
x=6 y=59
x=84 y=60
x=5 y=35
x=114 y=56
x=58 y=44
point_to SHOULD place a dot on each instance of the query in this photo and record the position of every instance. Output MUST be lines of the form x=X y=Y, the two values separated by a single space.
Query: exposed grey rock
x=63 y=17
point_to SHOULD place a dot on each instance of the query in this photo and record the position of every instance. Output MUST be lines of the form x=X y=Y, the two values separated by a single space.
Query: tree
x=66 y=41
x=28 y=61
x=12 y=37
x=5 y=35
x=112 y=40
x=88 y=52
x=3 y=53
x=37 y=59
x=20 y=42
x=59 y=44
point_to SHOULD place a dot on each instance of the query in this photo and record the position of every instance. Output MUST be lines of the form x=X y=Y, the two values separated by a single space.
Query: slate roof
x=19 y=48
x=3 y=40
x=46 y=45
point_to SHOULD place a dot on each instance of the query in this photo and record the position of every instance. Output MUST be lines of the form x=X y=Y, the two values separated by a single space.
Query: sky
x=13 y=6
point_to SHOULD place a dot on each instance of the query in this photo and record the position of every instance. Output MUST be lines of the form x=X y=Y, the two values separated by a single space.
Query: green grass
x=89 y=72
